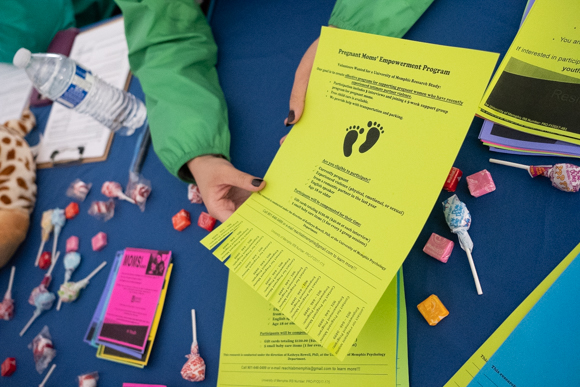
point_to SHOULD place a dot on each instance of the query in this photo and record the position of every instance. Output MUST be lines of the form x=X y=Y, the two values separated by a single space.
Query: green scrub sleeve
x=173 y=54
x=380 y=17
x=31 y=24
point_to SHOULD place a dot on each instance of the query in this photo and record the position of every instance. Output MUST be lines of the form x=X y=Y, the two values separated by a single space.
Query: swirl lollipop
x=459 y=220
x=7 y=304
x=58 y=220
x=194 y=369
x=112 y=189
x=43 y=301
x=565 y=177
x=69 y=291
x=46 y=224
x=71 y=262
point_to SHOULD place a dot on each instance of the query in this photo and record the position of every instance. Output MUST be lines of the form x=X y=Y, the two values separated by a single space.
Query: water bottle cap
x=21 y=58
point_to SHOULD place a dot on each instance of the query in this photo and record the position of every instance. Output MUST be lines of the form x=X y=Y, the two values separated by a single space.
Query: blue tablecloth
x=521 y=231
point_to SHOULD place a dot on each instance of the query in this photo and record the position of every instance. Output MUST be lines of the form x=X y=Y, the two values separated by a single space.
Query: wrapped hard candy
x=194 y=369
x=139 y=190
x=112 y=189
x=78 y=189
x=193 y=194
x=88 y=380
x=102 y=210
x=42 y=350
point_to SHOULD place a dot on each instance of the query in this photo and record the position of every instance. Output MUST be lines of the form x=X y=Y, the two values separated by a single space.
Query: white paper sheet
x=103 y=50
x=15 y=88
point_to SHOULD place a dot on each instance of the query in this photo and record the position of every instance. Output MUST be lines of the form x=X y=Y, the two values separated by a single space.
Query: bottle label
x=79 y=88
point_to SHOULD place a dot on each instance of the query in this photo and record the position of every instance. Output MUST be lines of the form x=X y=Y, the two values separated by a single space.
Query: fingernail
x=290 y=118
x=257 y=182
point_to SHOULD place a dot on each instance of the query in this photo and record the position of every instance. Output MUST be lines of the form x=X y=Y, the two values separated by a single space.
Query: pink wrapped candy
x=99 y=241
x=72 y=244
x=439 y=247
x=102 y=210
x=480 y=183
x=193 y=194
x=7 y=304
x=78 y=190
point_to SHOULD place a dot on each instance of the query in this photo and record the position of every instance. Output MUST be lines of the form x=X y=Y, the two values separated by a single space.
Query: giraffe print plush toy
x=17 y=184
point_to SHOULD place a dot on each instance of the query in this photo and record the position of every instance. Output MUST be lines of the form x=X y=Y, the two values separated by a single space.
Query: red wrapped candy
x=206 y=221
x=181 y=220
x=71 y=210
x=452 y=180
x=45 y=260
x=8 y=366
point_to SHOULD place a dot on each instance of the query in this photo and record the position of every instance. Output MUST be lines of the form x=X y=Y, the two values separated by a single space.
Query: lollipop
x=459 y=220
x=7 y=304
x=43 y=301
x=112 y=189
x=71 y=262
x=565 y=177
x=43 y=287
x=194 y=369
x=139 y=189
x=69 y=291
x=46 y=223
x=58 y=220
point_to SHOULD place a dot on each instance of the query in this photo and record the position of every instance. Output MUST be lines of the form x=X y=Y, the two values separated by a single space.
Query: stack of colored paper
x=127 y=316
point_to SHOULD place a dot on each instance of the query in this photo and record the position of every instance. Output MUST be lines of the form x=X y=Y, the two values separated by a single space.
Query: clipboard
x=71 y=138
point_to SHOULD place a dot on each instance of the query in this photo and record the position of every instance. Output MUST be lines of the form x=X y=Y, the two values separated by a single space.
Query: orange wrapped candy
x=433 y=310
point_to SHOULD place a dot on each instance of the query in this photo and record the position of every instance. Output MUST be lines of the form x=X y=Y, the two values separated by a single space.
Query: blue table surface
x=521 y=231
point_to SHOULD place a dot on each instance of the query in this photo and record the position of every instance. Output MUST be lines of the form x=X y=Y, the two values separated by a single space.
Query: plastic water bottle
x=63 y=80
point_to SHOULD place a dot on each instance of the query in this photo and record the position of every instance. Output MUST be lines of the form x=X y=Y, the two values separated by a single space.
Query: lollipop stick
x=193 y=326
x=49 y=272
x=474 y=272
x=47 y=375
x=95 y=271
x=29 y=323
x=56 y=232
x=10 y=282
x=39 y=252
x=510 y=164
x=59 y=303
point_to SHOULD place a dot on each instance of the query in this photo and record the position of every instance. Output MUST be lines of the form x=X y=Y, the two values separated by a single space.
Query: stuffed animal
x=17 y=184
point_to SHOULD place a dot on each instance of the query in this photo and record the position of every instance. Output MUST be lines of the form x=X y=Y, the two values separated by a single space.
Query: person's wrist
x=198 y=162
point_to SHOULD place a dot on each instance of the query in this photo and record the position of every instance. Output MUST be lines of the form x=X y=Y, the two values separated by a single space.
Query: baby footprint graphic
x=372 y=136
x=350 y=138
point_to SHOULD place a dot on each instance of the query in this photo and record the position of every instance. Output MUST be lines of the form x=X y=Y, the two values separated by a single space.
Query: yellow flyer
x=537 y=86
x=355 y=180
x=261 y=347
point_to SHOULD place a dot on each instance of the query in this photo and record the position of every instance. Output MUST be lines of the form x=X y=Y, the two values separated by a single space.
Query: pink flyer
x=133 y=303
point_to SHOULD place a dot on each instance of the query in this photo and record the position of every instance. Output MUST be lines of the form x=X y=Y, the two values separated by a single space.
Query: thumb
x=300 y=85
x=243 y=180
